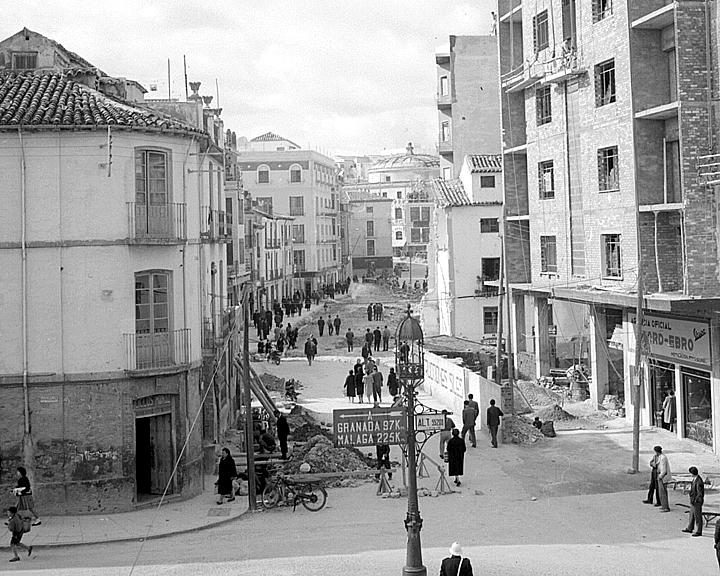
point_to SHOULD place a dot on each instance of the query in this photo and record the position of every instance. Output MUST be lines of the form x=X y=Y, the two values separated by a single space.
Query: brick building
x=606 y=110
x=369 y=231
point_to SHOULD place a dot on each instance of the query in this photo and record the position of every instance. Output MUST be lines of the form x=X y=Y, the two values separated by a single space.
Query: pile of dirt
x=536 y=394
x=274 y=384
x=322 y=456
x=302 y=428
x=555 y=413
x=519 y=431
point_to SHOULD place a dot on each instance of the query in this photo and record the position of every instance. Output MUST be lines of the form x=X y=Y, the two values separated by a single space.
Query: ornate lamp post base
x=413 y=560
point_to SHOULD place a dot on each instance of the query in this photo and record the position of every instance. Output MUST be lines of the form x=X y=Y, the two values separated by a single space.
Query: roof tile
x=484 y=163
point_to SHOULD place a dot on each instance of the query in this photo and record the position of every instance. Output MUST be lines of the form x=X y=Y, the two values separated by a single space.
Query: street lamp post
x=409 y=362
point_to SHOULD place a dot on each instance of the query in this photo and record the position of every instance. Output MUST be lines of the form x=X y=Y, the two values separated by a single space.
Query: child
x=15 y=525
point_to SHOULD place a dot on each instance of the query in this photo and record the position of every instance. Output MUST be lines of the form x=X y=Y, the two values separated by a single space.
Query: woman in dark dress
x=24 y=494
x=456 y=455
x=226 y=474
x=359 y=386
x=392 y=383
x=350 y=386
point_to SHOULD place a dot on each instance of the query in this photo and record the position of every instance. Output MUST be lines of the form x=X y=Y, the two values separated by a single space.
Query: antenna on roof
x=169 y=97
x=186 y=82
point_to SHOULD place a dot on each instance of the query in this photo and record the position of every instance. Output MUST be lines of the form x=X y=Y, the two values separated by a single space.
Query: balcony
x=214 y=228
x=444 y=146
x=157 y=350
x=522 y=77
x=273 y=243
x=233 y=269
x=443 y=100
x=156 y=224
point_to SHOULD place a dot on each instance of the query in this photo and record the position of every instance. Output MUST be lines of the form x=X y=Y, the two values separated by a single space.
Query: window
x=447 y=173
x=398 y=235
x=299 y=260
x=370 y=248
x=487 y=181
x=414 y=213
x=370 y=228
x=399 y=194
x=546 y=180
x=444 y=86
x=151 y=303
x=297 y=206
x=398 y=214
x=295 y=173
x=425 y=214
x=368 y=209
x=24 y=61
x=151 y=177
x=608 y=169
x=263 y=175
x=601 y=9
x=612 y=267
x=265 y=203
x=490 y=268
x=543 y=105
x=415 y=235
x=387 y=178
x=605 y=83
x=548 y=254
x=445 y=132
x=298 y=233
x=490 y=320
x=541 y=32
x=489 y=226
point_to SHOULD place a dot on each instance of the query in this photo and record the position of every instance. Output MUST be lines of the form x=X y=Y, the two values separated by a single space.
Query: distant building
x=370 y=229
x=467 y=100
x=274 y=257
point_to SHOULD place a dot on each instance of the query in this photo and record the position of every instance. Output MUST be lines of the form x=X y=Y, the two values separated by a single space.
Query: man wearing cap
x=456 y=565
x=664 y=476
x=697 y=498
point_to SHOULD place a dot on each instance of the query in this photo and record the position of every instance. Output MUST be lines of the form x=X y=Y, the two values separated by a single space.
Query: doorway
x=662 y=382
x=154 y=461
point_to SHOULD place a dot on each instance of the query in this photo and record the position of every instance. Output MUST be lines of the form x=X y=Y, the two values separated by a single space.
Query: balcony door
x=152 y=210
x=152 y=320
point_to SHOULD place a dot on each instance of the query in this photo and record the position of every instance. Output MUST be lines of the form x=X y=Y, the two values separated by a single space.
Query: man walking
x=337 y=322
x=669 y=411
x=493 y=421
x=697 y=498
x=349 y=338
x=330 y=326
x=377 y=385
x=386 y=338
x=321 y=325
x=377 y=336
x=469 y=416
x=310 y=350
x=283 y=431
x=474 y=405
x=653 y=490
x=446 y=433
x=664 y=476
x=368 y=338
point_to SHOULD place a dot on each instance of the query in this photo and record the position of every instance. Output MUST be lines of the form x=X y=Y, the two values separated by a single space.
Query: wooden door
x=162 y=453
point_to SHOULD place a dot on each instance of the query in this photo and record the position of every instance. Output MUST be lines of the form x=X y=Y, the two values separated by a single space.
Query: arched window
x=296 y=173
x=263 y=174
x=398 y=235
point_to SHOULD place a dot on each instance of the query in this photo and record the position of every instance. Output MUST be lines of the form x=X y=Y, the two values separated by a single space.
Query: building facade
x=467 y=100
x=369 y=228
x=607 y=125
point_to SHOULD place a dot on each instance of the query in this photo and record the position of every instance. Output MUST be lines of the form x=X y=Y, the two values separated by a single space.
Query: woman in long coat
x=226 y=474
x=350 y=386
x=456 y=455
x=359 y=386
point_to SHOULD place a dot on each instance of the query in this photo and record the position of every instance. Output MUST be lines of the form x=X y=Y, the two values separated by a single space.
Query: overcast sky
x=344 y=76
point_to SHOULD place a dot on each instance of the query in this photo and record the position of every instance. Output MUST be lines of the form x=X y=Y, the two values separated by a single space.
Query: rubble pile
x=519 y=431
x=548 y=429
x=322 y=456
x=554 y=413
x=536 y=394
x=274 y=384
x=302 y=428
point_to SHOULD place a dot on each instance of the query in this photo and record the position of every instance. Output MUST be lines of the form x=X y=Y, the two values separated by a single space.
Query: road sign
x=427 y=422
x=369 y=426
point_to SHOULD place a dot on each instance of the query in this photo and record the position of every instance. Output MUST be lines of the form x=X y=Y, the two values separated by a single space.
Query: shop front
x=678 y=361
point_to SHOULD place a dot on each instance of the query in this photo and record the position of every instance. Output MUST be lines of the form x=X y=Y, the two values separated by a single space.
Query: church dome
x=407 y=161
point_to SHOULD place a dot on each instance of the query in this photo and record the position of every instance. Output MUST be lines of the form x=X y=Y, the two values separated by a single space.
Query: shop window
x=698 y=406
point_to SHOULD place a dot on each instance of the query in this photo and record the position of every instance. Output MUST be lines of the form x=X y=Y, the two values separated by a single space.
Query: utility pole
x=252 y=497
x=637 y=387
x=498 y=343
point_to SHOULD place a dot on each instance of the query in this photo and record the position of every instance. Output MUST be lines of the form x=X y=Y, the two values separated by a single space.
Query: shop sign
x=446 y=374
x=153 y=405
x=673 y=340
x=369 y=426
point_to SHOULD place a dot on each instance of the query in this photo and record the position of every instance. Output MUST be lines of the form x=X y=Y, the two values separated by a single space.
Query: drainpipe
x=28 y=452
x=708 y=75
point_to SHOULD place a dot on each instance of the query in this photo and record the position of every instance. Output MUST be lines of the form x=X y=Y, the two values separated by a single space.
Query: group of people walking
x=19 y=515
x=366 y=380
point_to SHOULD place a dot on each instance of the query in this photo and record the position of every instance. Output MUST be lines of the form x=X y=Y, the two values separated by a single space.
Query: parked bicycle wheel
x=315 y=499
x=271 y=495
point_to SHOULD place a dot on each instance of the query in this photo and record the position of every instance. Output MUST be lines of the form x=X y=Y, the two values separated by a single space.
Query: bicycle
x=307 y=490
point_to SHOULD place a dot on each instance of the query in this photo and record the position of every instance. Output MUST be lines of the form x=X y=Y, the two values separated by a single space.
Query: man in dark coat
x=377 y=384
x=330 y=325
x=337 y=322
x=350 y=339
x=377 y=336
x=493 y=421
x=321 y=325
x=368 y=337
x=283 y=431
x=386 y=338
x=468 y=418
x=456 y=565
x=456 y=455
x=697 y=499
x=226 y=473
x=370 y=312
x=392 y=383
x=310 y=350
x=349 y=386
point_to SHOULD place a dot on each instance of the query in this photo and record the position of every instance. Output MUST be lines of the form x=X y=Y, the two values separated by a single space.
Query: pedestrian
x=493 y=421
x=404 y=352
x=283 y=431
x=474 y=405
x=368 y=337
x=349 y=386
x=537 y=423
x=15 y=526
x=456 y=456
x=310 y=350
x=468 y=417
x=456 y=565
x=653 y=490
x=25 y=495
x=337 y=322
x=370 y=312
x=664 y=476
x=386 y=338
x=350 y=339
x=359 y=381
x=669 y=411
x=377 y=385
x=697 y=498
x=321 y=325
x=392 y=383
x=380 y=311
x=368 y=382
x=382 y=451
x=446 y=433
x=226 y=474
x=366 y=352
x=377 y=336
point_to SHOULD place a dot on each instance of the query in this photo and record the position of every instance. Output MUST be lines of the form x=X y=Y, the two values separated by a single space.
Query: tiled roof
x=361 y=195
x=54 y=100
x=484 y=163
x=272 y=137
x=450 y=192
